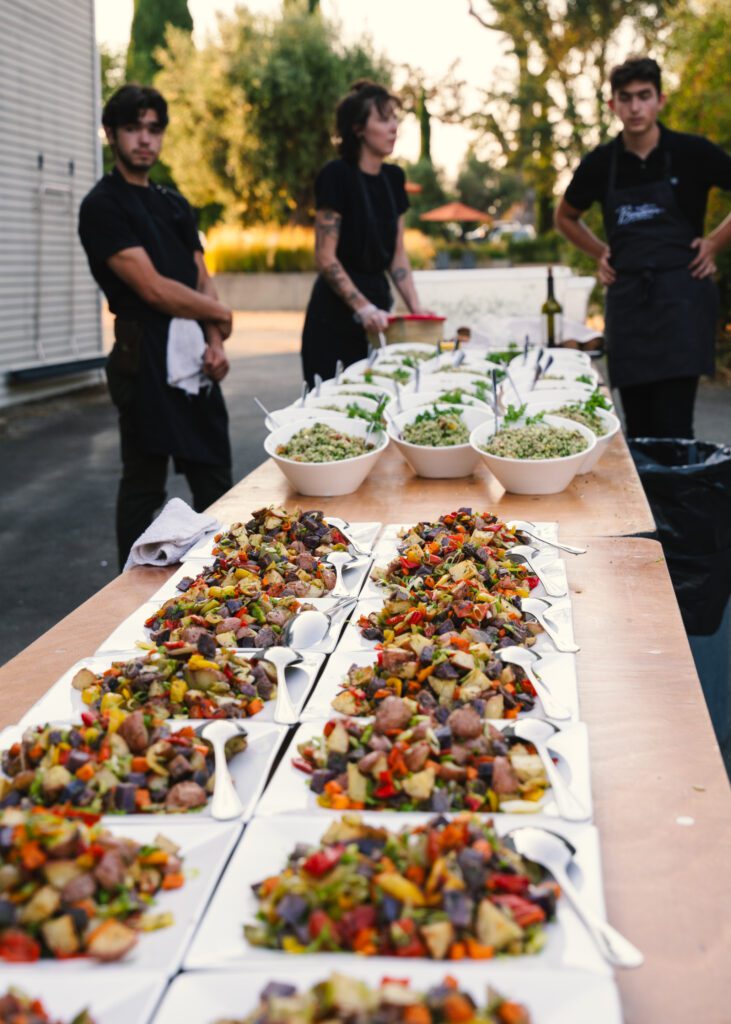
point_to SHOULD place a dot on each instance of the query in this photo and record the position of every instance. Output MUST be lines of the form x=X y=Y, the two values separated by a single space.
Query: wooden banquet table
x=661 y=796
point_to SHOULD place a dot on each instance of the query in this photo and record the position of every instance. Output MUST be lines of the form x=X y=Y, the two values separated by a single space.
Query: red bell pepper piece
x=323 y=861
x=515 y=884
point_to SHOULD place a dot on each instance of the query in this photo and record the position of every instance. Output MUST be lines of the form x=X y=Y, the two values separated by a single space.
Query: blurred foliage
x=281 y=249
x=433 y=193
x=699 y=53
x=150 y=22
x=254 y=110
x=541 y=118
x=481 y=185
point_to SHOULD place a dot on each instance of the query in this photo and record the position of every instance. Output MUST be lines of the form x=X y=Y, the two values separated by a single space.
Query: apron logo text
x=628 y=214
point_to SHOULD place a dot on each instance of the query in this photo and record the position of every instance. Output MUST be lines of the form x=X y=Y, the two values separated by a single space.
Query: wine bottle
x=551 y=316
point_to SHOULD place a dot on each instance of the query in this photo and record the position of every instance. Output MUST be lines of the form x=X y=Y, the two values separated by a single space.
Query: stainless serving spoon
x=339 y=367
x=282 y=658
x=226 y=803
x=343 y=527
x=340 y=560
x=529 y=528
x=540 y=610
x=266 y=412
x=303 y=396
x=555 y=853
x=382 y=340
x=522 y=554
x=309 y=627
x=318 y=384
x=526 y=660
x=538 y=732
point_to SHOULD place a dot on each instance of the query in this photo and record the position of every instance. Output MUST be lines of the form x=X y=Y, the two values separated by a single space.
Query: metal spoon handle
x=612 y=945
x=552 y=707
x=569 y=806
x=284 y=710
x=340 y=605
x=556 y=639
x=339 y=582
x=318 y=384
x=552 y=589
x=303 y=396
x=226 y=803
x=554 y=543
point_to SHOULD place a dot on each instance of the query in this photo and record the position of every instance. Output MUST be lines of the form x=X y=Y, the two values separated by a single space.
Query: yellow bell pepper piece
x=291 y=945
x=90 y=694
x=400 y=888
x=197 y=661
x=116 y=717
x=178 y=690
x=111 y=700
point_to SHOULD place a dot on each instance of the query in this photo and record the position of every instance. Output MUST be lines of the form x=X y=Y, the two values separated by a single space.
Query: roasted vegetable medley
x=402 y=761
x=18 y=1008
x=112 y=763
x=447 y=890
x=346 y=1000
x=70 y=888
x=175 y=680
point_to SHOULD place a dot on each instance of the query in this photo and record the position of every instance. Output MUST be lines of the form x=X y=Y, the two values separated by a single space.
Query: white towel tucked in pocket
x=185 y=351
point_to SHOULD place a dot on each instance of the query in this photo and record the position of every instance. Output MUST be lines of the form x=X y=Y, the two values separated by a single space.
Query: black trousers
x=142 y=489
x=663 y=408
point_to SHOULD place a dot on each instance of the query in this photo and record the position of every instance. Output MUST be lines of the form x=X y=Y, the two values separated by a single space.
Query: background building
x=50 y=328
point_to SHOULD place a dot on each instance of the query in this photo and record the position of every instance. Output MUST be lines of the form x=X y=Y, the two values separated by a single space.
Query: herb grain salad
x=112 y=763
x=447 y=890
x=176 y=680
x=322 y=443
x=536 y=441
x=346 y=1000
x=18 y=1008
x=71 y=888
x=402 y=761
x=437 y=428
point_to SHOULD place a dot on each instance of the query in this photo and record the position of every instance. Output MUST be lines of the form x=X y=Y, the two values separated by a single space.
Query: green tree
x=149 y=24
x=699 y=53
x=253 y=111
x=543 y=116
x=488 y=188
x=433 y=193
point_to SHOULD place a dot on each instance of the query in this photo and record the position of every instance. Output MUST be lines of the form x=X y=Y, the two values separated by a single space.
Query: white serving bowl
x=326 y=479
x=562 y=357
x=316 y=408
x=611 y=425
x=439 y=463
x=357 y=377
x=330 y=388
x=535 y=476
x=415 y=399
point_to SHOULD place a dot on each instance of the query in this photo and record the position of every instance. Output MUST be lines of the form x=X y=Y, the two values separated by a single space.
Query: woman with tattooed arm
x=359 y=235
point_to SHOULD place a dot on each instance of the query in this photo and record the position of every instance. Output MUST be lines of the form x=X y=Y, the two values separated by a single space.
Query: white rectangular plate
x=62 y=702
x=557 y=670
x=288 y=792
x=66 y=994
x=249 y=771
x=220 y=943
x=205 y=851
x=353 y=579
x=559 y=614
x=364 y=534
x=126 y=635
x=561 y=996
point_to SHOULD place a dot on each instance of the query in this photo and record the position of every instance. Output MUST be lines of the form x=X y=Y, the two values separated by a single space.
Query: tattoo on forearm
x=341 y=283
x=327 y=225
x=399 y=274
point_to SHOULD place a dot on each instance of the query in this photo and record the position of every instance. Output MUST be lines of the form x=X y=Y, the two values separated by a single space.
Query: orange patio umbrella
x=454 y=212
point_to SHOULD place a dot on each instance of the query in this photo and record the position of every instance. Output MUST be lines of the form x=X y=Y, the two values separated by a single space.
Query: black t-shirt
x=696 y=166
x=370 y=205
x=115 y=216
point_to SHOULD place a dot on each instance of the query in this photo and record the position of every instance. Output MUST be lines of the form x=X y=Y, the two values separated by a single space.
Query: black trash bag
x=688 y=486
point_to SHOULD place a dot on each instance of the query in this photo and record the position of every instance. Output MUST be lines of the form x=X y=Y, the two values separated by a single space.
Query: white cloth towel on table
x=185 y=351
x=170 y=536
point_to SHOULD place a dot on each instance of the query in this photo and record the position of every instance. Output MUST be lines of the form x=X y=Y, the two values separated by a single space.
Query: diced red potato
x=504 y=778
x=228 y=625
x=392 y=713
x=184 y=796
x=465 y=723
x=417 y=756
x=134 y=732
x=110 y=870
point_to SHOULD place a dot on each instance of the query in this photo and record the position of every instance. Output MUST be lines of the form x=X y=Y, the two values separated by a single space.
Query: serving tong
x=530 y=530
x=541 y=611
x=525 y=555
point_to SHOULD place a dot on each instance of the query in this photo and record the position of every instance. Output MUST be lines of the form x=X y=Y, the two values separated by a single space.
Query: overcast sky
x=425 y=33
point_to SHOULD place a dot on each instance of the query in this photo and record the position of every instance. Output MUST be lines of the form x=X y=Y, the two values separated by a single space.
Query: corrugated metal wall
x=49 y=153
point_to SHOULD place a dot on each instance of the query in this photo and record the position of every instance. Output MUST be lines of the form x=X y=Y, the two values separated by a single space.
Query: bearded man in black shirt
x=142 y=244
x=657 y=266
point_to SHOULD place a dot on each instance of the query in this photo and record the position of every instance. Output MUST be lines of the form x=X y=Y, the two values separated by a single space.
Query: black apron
x=157 y=418
x=660 y=321
x=330 y=331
